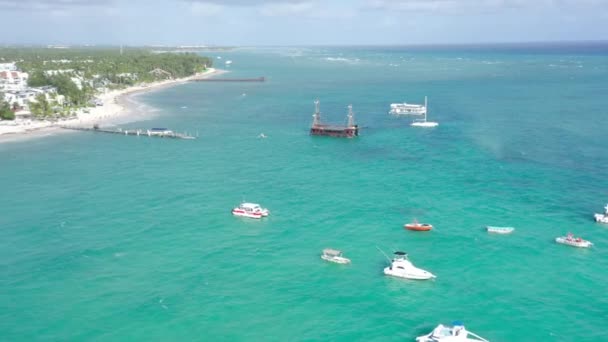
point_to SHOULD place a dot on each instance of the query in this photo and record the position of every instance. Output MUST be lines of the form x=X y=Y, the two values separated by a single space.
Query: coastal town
x=48 y=87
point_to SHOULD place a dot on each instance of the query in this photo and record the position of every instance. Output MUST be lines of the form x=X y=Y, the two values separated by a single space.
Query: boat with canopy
x=335 y=256
x=602 y=218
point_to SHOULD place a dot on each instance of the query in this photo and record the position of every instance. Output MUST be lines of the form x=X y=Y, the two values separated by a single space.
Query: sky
x=300 y=22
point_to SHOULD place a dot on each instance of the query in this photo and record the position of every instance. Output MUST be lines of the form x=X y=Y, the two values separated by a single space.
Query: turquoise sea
x=114 y=238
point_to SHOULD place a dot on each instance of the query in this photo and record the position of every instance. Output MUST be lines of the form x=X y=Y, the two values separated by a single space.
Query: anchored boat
x=602 y=218
x=416 y=226
x=500 y=230
x=333 y=255
x=349 y=131
x=408 y=108
x=251 y=210
x=422 y=122
x=570 y=240
x=403 y=268
x=455 y=333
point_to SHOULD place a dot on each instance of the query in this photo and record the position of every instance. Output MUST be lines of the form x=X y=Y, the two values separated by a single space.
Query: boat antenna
x=316 y=117
x=387 y=258
x=351 y=118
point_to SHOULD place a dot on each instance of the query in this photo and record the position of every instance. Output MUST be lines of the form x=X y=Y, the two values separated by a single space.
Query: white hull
x=251 y=210
x=245 y=214
x=500 y=230
x=412 y=273
x=600 y=218
x=574 y=243
x=424 y=124
x=337 y=260
x=428 y=338
x=450 y=334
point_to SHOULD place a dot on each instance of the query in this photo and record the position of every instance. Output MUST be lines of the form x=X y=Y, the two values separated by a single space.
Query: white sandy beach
x=113 y=108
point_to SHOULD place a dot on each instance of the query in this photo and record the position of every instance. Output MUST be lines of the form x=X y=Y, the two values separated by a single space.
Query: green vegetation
x=76 y=73
x=5 y=109
x=41 y=108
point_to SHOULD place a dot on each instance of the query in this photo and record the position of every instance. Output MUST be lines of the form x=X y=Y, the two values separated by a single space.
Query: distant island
x=51 y=83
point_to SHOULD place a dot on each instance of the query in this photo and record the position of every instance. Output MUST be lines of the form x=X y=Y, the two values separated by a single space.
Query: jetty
x=152 y=132
x=257 y=79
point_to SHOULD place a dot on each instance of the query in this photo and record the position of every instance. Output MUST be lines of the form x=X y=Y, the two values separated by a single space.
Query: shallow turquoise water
x=123 y=238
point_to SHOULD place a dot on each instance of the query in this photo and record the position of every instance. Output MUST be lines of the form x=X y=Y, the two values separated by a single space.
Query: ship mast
x=316 y=117
x=351 y=118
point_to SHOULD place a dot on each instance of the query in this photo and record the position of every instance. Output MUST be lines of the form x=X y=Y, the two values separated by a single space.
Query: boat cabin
x=252 y=207
x=332 y=252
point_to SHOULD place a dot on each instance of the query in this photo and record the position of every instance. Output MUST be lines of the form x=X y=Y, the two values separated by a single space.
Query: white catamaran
x=422 y=122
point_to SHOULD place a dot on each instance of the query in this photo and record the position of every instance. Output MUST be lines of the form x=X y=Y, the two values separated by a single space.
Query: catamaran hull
x=424 y=124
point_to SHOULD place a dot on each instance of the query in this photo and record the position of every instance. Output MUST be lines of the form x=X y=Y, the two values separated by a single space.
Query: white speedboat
x=570 y=240
x=456 y=333
x=333 y=255
x=252 y=210
x=602 y=218
x=500 y=230
x=403 y=268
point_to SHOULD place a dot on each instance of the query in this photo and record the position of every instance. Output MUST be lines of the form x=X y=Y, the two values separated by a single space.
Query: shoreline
x=117 y=105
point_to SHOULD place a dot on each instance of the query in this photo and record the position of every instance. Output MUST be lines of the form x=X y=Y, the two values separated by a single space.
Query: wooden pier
x=258 y=79
x=153 y=132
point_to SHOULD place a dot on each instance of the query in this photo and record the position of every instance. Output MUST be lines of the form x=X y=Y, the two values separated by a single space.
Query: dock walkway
x=157 y=133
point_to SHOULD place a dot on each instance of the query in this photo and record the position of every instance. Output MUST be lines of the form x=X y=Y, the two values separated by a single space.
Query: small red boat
x=420 y=227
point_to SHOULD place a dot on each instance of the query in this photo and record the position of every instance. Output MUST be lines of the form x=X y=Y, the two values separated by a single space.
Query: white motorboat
x=570 y=240
x=500 y=230
x=456 y=333
x=252 y=210
x=602 y=218
x=333 y=255
x=403 y=268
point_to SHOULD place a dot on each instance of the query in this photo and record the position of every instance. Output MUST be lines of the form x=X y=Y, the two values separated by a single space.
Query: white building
x=8 y=67
x=13 y=80
x=57 y=72
x=24 y=97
